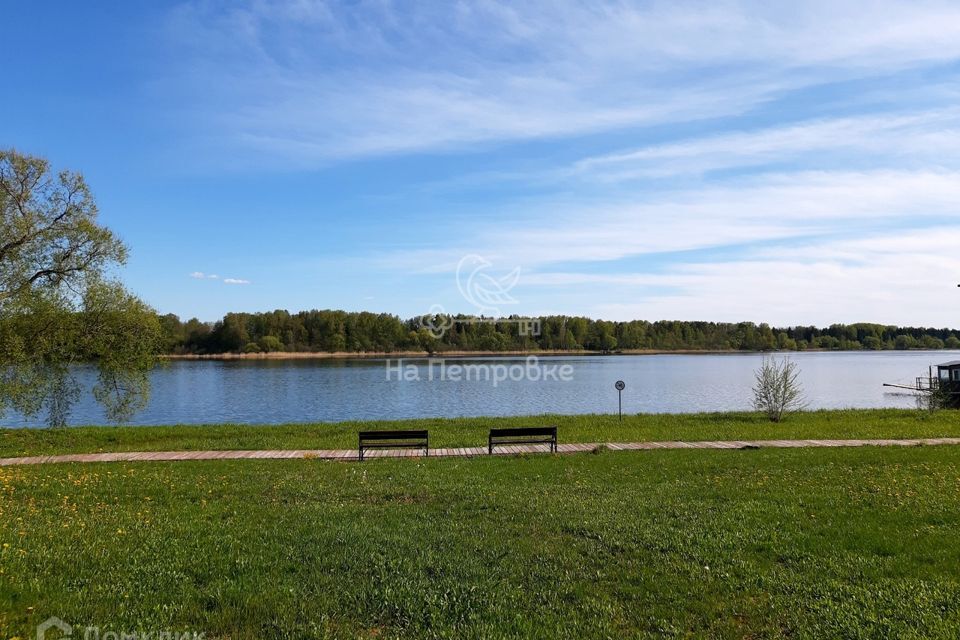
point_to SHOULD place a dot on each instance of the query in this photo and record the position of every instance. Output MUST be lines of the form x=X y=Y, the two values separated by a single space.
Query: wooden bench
x=523 y=435
x=393 y=440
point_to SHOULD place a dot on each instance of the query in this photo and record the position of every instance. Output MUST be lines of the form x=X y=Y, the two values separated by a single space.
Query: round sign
x=620 y=385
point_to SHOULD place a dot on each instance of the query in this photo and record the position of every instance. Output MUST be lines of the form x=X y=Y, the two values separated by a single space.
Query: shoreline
x=348 y=355
x=374 y=355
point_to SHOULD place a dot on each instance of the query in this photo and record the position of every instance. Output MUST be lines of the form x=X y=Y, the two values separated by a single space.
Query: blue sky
x=794 y=163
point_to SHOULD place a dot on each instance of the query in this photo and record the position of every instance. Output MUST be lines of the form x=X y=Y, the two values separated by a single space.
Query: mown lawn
x=471 y=432
x=857 y=543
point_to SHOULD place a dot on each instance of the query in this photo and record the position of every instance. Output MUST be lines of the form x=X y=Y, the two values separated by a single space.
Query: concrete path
x=351 y=454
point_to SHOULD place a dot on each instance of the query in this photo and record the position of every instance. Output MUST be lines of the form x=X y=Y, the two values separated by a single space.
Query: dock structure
x=946 y=381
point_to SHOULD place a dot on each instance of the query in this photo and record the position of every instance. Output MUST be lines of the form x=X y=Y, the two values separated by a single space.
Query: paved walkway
x=351 y=454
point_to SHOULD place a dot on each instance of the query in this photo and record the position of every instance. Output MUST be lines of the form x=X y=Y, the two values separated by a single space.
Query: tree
x=607 y=343
x=230 y=334
x=57 y=307
x=270 y=343
x=903 y=342
x=777 y=389
x=786 y=342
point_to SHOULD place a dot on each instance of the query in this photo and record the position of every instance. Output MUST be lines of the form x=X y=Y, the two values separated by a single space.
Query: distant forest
x=358 y=332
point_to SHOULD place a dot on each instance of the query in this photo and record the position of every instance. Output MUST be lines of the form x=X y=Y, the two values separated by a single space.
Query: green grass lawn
x=471 y=432
x=856 y=543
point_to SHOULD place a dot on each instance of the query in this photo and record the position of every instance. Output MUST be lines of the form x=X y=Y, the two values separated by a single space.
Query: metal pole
x=620 y=386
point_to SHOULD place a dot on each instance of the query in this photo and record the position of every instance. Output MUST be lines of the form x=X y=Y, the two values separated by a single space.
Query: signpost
x=620 y=386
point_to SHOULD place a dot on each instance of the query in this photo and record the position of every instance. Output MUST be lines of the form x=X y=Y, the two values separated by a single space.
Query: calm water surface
x=264 y=391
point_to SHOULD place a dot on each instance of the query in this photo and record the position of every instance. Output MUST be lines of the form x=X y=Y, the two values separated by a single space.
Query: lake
x=278 y=391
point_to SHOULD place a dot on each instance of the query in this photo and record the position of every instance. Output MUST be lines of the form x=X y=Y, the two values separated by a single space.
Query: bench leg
x=360 y=456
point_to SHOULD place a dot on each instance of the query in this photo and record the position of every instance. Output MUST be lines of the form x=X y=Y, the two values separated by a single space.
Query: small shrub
x=932 y=401
x=777 y=390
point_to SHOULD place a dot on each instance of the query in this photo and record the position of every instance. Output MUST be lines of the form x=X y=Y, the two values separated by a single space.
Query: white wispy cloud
x=803 y=247
x=307 y=82
x=893 y=276
x=928 y=137
x=752 y=209
x=896 y=277
x=199 y=275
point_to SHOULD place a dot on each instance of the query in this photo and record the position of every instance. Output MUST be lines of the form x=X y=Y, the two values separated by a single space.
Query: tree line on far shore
x=358 y=332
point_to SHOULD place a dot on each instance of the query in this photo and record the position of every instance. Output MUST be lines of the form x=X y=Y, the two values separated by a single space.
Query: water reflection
x=277 y=391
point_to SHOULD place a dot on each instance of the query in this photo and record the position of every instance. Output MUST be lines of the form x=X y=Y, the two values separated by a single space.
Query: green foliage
x=270 y=343
x=56 y=307
x=342 y=331
x=49 y=238
x=934 y=400
x=904 y=342
x=931 y=342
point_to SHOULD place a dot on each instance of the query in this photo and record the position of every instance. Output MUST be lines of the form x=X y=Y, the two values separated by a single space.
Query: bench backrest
x=523 y=431
x=394 y=435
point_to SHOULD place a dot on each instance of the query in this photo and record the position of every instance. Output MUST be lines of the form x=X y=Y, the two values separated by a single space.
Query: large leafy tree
x=59 y=306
